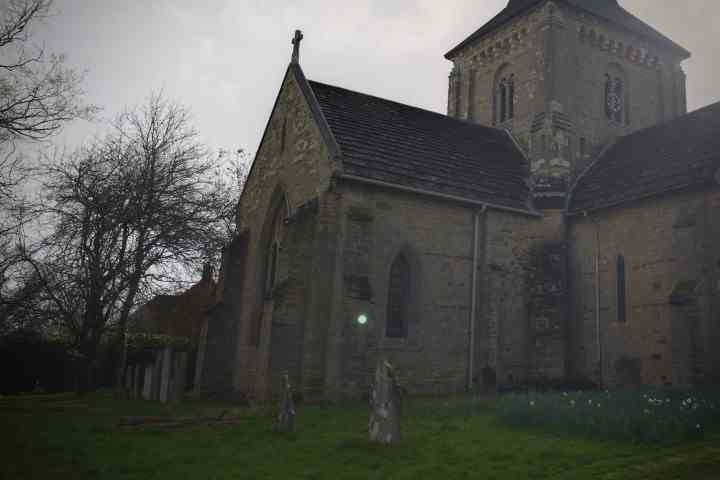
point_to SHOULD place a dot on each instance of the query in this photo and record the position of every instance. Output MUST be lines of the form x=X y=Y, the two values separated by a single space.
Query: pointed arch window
x=511 y=97
x=502 y=100
x=272 y=261
x=621 y=292
x=398 y=298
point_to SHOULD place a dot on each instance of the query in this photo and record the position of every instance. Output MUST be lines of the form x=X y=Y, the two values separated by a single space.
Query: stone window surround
x=504 y=95
x=412 y=341
x=616 y=76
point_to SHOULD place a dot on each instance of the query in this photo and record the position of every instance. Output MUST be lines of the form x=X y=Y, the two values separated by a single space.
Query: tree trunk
x=124 y=315
x=120 y=390
x=86 y=376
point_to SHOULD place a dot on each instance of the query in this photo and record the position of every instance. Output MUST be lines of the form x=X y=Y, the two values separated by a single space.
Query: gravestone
x=157 y=375
x=167 y=355
x=147 y=383
x=137 y=382
x=129 y=372
x=285 y=421
x=384 y=406
x=177 y=387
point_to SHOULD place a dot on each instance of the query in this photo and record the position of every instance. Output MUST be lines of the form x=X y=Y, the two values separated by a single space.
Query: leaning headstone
x=285 y=421
x=384 y=406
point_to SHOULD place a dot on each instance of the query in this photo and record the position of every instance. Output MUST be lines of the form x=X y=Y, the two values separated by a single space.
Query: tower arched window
x=502 y=101
x=615 y=98
x=398 y=298
x=511 y=97
x=505 y=98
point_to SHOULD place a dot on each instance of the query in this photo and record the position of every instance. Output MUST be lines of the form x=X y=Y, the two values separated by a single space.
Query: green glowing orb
x=362 y=319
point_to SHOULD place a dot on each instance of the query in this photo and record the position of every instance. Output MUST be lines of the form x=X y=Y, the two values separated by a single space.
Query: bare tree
x=38 y=92
x=12 y=218
x=179 y=209
x=126 y=213
x=79 y=266
x=233 y=167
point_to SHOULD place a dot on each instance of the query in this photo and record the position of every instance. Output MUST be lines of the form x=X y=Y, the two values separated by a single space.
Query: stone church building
x=562 y=222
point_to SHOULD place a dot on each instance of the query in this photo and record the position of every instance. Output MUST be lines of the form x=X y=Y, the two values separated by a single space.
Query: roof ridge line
x=459 y=120
x=516 y=8
x=669 y=122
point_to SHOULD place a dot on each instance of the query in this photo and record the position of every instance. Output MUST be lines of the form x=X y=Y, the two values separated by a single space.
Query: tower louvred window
x=614 y=99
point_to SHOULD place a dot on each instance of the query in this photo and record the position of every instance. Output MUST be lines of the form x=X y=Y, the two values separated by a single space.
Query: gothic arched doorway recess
x=280 y=301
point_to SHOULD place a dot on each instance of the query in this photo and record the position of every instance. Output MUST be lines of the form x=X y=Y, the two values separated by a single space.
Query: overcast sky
x=224 y=59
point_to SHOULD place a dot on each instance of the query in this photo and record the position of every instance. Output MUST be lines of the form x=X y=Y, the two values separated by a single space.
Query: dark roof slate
x=390 y=142
x=607 y=9
x=676 y=155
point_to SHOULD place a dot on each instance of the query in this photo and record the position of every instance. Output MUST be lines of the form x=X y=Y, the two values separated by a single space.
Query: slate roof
x=607 y=9
x=390 y=142
x=680 y=154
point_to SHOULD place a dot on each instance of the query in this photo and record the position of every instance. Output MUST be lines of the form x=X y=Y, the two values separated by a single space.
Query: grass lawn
x=66 y=437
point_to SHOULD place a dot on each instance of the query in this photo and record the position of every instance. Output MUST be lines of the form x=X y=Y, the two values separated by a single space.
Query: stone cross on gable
x=296 y=46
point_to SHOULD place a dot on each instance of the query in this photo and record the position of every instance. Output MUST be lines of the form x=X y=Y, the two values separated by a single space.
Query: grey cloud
x=225 y=59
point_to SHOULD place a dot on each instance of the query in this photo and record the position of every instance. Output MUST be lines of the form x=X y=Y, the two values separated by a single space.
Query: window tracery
x=615 y=99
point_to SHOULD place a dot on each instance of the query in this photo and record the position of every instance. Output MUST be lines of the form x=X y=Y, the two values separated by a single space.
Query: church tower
x=566 y=77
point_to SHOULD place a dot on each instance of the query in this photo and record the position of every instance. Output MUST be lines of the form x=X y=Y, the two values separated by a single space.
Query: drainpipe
x=598 y=345
x=473 y=295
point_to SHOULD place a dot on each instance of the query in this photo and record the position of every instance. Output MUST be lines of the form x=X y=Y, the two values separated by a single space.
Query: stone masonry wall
x=510 y=344
x=672 y=270
x=436 y=238
x=515 y=48
x=559 y=57
x=291 y=168
x=587 y=48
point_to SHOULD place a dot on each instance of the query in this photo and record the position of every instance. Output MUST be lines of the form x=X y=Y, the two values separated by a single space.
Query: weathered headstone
x=285 y=421
x=137 y=382
x=128 y=377
x=157 y=375
x=384 y=406
x=167 y=355
x=147 y=384
x=178 y=377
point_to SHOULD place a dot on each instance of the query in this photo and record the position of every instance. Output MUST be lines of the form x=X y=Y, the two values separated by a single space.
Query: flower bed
x=661 y=415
